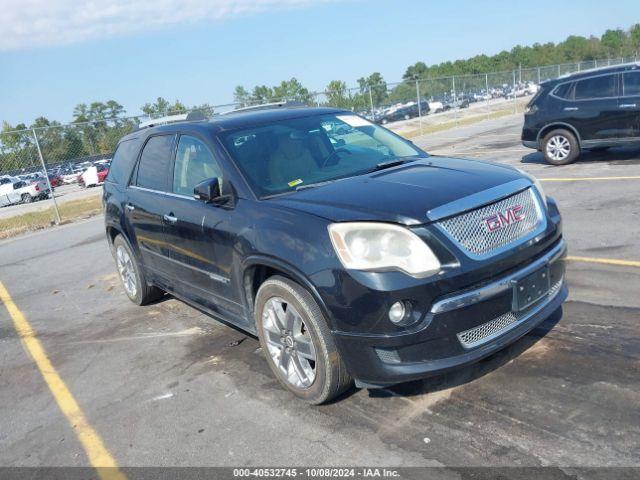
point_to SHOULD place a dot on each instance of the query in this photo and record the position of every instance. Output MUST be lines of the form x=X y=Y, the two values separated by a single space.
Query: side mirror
x=208 y=190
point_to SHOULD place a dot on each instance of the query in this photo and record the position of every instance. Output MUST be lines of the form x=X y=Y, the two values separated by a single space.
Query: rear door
x=147 y=200
x=629 y=104
x=594 y=109
x=198 y=234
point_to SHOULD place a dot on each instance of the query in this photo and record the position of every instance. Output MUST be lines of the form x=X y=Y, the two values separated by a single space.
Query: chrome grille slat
x=471 y=232
x=481 y=334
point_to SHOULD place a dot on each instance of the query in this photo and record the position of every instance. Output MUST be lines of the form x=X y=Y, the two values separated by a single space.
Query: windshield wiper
x=391 y=163
x=312 y=185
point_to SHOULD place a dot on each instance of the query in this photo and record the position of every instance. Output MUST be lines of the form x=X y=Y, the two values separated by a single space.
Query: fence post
x=486 y=94
x=46 y=175
x=515 y=101
x=419 y=105
x=455 y=99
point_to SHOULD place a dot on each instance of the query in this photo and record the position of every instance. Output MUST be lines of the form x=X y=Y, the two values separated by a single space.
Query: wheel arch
x=558 y=125
x=258 y=268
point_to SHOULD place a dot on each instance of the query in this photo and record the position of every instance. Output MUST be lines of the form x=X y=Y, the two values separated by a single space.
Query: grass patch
x=426 y=129
x=69 y=211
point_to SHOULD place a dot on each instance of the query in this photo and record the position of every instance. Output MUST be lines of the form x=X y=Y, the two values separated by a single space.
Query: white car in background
x=13 y=190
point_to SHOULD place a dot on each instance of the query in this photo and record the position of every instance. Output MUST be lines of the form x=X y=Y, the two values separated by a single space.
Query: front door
x=147 y=200
x=200 y=245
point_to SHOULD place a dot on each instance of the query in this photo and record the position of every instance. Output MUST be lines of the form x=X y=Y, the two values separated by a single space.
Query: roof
x=240 y=119
x=587 y=73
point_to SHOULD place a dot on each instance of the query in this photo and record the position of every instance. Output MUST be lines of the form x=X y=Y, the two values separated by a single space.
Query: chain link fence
x=52 y=174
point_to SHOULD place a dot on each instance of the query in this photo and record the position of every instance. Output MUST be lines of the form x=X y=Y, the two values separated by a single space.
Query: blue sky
x=56 y=56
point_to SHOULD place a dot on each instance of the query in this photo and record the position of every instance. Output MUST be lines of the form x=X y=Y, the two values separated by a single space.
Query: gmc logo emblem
x=503 y=219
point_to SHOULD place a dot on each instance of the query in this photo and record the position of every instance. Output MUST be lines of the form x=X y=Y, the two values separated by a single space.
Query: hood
x=410 y=194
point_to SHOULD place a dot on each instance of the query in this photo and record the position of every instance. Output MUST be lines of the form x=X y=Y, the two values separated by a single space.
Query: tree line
x=97 y=127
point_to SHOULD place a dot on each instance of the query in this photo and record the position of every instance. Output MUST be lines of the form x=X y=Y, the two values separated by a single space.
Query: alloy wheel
x=126 y=270
x=558 y=147
x=289 y=342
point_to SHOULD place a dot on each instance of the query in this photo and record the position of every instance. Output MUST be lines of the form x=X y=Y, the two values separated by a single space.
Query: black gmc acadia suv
x=593 y=110
x=349 y=252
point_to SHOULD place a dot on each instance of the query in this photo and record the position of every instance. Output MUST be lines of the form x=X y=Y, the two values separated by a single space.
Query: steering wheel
x=335 y=153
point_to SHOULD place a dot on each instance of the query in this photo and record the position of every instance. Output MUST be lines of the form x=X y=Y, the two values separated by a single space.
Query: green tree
x=612 y=41
x=241 y=97
x=378 y=87
x=338 y=95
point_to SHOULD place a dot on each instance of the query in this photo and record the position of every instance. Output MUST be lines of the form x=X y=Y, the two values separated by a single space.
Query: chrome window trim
x=479 y=199
x=576 y=80
x=494 y=288
x=160 y=192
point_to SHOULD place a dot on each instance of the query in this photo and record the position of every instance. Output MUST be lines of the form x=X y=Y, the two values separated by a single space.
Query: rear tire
x=26 y=198
x=293 y=330
x=560 y=147
x=132 y=275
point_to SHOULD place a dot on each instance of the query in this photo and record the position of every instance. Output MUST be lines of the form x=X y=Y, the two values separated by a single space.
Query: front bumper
x=462 y=328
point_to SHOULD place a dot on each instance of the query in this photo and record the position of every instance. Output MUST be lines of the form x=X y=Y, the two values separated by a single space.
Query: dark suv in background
x=592 y=110
x=349 y=252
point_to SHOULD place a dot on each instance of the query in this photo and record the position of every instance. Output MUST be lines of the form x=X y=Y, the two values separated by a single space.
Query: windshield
x=291 y=154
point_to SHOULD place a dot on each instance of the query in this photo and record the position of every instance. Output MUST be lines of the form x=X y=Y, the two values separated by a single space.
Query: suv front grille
x=481 y=334
x=482 y=231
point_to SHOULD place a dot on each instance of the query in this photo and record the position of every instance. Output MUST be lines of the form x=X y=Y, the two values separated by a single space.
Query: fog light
x=397 y=312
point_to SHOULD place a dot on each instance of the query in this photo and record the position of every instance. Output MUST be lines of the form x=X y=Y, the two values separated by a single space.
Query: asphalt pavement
x=164 y=385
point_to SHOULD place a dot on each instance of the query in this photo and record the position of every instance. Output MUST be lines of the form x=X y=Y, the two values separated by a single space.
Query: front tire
x=26 y=198
x=297 y=343
x=560 y=147
x=132 y=276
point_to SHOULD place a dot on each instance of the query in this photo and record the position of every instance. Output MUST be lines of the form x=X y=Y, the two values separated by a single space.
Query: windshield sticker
x=353 y=120
x=293 y=183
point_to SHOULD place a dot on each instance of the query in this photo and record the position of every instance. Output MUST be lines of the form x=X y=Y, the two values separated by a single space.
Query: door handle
x=570 y=109
x=170 y=218
x=130 y=207
x=628 y=105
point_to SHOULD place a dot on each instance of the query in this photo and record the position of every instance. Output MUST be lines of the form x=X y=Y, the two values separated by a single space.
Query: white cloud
x=35 y=23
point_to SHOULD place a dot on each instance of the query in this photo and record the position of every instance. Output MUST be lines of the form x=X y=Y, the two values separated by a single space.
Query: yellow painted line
x=605 y=261
x=587 y=179
x=98 y=455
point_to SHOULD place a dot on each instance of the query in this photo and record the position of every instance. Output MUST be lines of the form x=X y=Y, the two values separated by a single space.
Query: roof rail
x=182 y=117
x=597 y=69
x=266 y=106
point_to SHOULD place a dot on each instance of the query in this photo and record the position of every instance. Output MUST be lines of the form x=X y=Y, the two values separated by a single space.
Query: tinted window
x=123 y=160
x=194 y=163
x=596 y=87
x=631 y=83
x=153 y=170
x=563 y=91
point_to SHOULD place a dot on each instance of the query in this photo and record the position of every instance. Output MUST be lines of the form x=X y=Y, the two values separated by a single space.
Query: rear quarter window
x=123 y=160
x=563 y=91
x=603 y=86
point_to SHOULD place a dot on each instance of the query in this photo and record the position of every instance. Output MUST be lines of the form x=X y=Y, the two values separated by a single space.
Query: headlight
x=382 y=246
x=537 y=185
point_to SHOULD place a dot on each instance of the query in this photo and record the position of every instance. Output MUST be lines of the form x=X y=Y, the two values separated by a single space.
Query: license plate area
x=528 y=290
